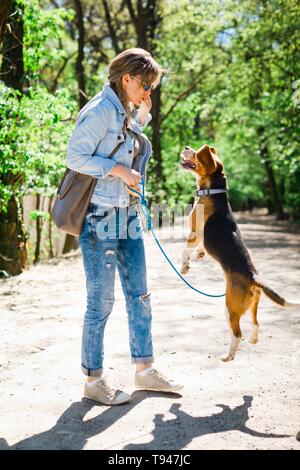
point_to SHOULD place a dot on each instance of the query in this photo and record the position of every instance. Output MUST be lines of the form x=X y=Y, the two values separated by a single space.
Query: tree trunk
x=4 y=17
x=12 y=67
x=13 y=249
x=112 y=31
x=50 y=246
x=255 y=103
x=80 y=56
x=265 y=158
x=38 y=232
x=156 y=141
x=13 y=237
x=146 y=20
x=70 y=242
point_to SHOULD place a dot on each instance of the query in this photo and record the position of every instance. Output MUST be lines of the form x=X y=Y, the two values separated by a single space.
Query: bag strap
x=62 y=181
x=109 y=156
x=119 y=145
x=71 y=178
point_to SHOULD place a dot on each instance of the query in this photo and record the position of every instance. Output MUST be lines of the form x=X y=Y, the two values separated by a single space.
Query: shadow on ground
x=72 y=432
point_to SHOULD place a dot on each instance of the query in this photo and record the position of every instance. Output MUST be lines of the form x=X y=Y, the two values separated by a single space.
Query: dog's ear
x=206 y=158
x=213 y=150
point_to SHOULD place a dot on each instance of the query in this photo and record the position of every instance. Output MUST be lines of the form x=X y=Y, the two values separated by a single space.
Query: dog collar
x=209 y=192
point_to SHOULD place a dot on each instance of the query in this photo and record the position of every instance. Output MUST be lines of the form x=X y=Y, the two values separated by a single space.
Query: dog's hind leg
x=236 y=334
x=254 y=333
x=239 y=299
x=227 y=315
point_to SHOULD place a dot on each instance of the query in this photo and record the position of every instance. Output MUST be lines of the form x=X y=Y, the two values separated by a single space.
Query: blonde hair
x=135 y=61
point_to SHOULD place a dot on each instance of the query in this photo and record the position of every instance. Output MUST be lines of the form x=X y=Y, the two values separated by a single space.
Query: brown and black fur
x=218 y=235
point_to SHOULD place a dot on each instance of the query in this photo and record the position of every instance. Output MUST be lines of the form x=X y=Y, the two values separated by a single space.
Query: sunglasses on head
x=145 y=86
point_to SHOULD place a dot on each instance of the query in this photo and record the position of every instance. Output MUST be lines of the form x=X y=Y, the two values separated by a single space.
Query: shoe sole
x=107 y=404
x=167 y=390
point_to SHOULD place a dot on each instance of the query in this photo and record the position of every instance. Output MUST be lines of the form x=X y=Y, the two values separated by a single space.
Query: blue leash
x=145 y=209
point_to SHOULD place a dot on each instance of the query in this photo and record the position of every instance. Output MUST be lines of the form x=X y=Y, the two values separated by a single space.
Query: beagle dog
x=217 y=234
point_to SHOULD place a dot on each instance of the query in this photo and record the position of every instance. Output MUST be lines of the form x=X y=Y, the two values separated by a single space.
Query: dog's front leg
x=200 y=253
x=196 y=236
x=185 y=266
x=192 y=243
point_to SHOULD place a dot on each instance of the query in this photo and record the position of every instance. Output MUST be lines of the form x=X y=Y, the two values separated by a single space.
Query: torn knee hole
x=144 y=298
x=109 y=252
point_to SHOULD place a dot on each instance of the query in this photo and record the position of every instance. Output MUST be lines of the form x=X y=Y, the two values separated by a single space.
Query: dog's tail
x=274 y=296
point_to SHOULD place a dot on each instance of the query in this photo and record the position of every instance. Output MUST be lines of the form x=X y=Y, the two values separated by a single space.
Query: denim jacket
x=97 y=132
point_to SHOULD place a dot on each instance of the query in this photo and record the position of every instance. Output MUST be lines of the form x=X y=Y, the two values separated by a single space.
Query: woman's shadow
x=72 y=432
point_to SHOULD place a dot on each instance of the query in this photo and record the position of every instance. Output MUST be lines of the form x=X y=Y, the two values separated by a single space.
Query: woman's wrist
x=118 y=170
x=128 y=175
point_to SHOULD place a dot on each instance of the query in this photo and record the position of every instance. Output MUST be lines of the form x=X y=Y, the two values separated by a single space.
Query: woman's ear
x=125 y=80
x=206 y=157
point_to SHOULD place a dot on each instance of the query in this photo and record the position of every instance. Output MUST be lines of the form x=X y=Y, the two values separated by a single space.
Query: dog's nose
x=186 y=148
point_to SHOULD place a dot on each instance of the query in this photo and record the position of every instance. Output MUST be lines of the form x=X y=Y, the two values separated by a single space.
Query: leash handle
x=144 y=206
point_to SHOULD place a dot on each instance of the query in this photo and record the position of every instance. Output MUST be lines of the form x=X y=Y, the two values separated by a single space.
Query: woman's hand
x=144 y=109
x=128 y=175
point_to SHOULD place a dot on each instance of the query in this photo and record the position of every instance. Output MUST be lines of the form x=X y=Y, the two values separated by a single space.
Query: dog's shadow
x=71 y=431
x=178 y=432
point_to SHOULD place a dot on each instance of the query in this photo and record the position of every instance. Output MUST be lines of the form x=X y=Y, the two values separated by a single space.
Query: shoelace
x=106 y=388
x=160 y=376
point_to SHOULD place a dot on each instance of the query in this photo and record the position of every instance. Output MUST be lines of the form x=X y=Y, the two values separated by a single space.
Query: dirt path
x=250 y=403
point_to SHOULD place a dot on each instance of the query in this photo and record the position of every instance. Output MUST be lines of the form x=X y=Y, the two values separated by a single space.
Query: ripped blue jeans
x=111 y=239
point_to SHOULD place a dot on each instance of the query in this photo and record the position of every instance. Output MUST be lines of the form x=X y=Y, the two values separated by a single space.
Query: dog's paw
x=184 y=268
x=253 y=340
x=200 y=254
x=227 y=357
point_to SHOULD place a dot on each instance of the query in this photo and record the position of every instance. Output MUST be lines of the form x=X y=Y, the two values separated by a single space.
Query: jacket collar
x=109 y=93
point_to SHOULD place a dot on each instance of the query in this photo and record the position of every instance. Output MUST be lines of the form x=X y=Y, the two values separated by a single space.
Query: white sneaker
x=155 y=381
x=100 y=391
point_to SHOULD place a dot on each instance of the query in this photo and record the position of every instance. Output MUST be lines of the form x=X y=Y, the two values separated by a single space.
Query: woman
x=109 y=124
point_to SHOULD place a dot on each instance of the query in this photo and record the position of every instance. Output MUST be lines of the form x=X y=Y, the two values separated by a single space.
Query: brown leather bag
x=73 y=196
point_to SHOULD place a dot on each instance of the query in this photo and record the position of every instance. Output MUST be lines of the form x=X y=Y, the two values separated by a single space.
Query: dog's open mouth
x=187 y=164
